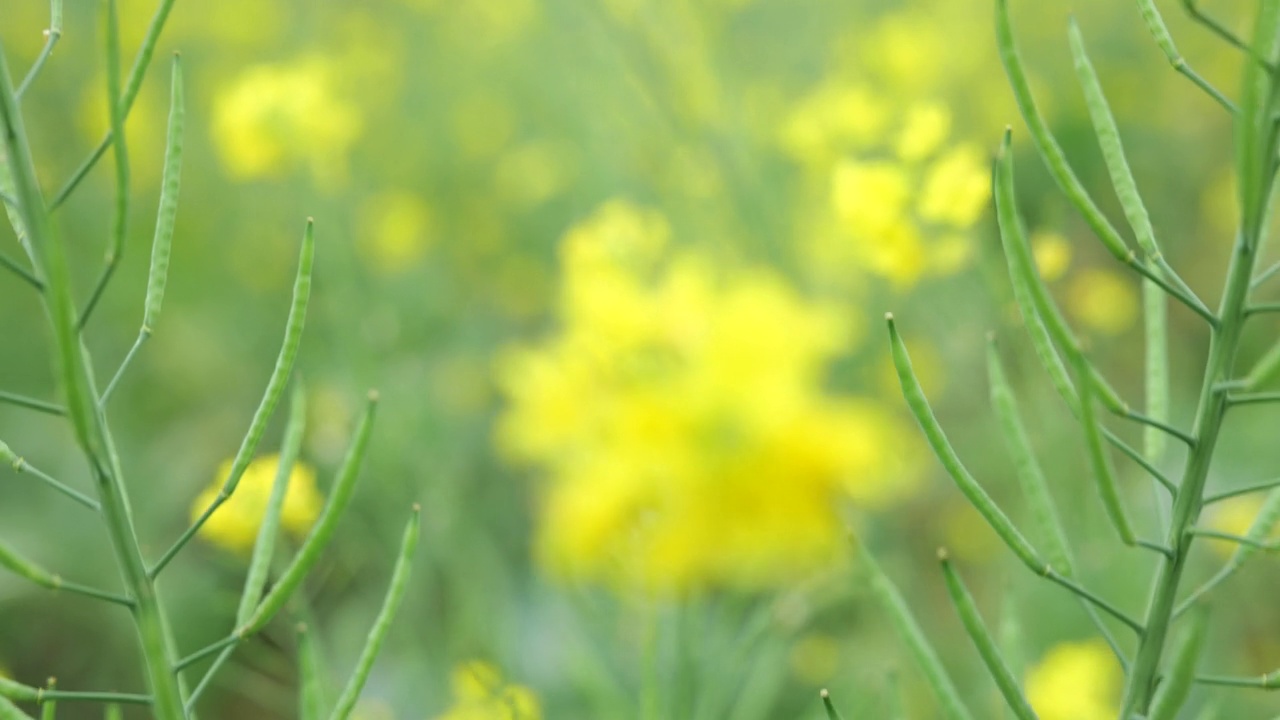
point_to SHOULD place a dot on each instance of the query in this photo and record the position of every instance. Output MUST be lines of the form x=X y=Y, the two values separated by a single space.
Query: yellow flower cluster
x=680 y=416
x=275 y=117
x=903 y=199
x=235 y=525
x=1075 y=681
x=481 y=693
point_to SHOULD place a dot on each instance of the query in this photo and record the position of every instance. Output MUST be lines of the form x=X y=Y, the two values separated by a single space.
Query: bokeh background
x=618 y=269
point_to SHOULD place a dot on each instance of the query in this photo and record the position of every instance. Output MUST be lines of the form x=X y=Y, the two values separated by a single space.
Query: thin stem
x=44 y=696
x=205 y=652
x=51 y=39
x=1264 y=276
x=128 y=358
x=1161 y=426
x=1137 y=457
x=92 y=592
x=30 y=403
x=1217 y=28
x=1244 y=490
x=207 y=679
x=1258 y=308
x=1231 y=537
x=1157 y=547
x=22 y=466
x=24 y=274
x=1252 y=398
x=1101 y=603
x=1270 y=681
x=131 y=88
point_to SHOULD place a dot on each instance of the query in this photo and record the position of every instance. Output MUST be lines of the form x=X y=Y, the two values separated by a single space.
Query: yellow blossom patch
x=1103 y=301
x=1052 y=254
x=481 y=693
x=235 y=525
x=679 y=417
x=1075 y=681
x=274 y=117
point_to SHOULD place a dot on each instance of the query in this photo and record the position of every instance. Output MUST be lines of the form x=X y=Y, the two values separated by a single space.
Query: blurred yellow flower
x=680 y=416
x=1052 y=253
x=956 y=188
x=395 y=231
x=235 y=525
x=925 y=129
x=1075 y=681
x=873 y=203
x=1103 y=301
x=275 y=117
x=1235 y=516
x=481 y=693
x=832 y=120
x=815 y=658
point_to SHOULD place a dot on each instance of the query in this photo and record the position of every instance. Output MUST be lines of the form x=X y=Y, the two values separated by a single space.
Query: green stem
x=75 y=372
x=31 y=403
x=1245 y=490
x=1189 y=501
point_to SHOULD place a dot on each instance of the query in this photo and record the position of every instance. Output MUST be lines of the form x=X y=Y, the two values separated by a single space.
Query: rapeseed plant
x=1158 y=653
x=268 y=498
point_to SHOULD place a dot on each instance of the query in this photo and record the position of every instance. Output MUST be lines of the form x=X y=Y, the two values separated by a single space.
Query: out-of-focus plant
x=274 y=500
x=1158 y=660
x=680 y=417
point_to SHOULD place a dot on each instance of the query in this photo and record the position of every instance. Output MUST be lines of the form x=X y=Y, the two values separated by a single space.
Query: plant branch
x=20 y=465
x=51 y=36
x=1243 y=490
x=24 y=274
x=30 y=403
x=136 y=73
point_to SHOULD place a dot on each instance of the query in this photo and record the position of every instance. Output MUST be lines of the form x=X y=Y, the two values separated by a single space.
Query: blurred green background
x=535 y=222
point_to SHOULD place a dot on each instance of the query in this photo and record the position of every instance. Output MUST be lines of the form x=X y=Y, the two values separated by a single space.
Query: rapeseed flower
x=275 y=117
x=1075 y=681
x=1102 y=301
x=481 y=693
x=235 y=525
x=680 y=417
x=395 y=231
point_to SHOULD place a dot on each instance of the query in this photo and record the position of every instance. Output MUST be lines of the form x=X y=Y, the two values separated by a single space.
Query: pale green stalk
x=75 y=373
x=270 y=397
x=346 y=703
x=1256 y=140
x=832 y=712
x=982 y=639
x=134 y=84
x=161 y=246
x=944 y=690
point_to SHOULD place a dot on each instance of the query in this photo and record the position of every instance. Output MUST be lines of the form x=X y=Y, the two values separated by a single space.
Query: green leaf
x=322 y=532
x=270 y=398
x=933 y=432
x=1099 y=461
x=981 y=637
x=1035 y=489
x=382 y=624
x=917 y=642
x=1180 y=673
x=265 y=545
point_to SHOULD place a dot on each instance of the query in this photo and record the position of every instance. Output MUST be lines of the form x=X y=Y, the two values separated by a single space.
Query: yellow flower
x=274 y=117
x=395 y=231
x=924 y=130
x=1102 y=301
x=1052 y=252
x=1235 y=516
x=1075 y=681
x=680 y=418
x=235 y=525
x=831 y=120
x=481 y=693
x=956 y=188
